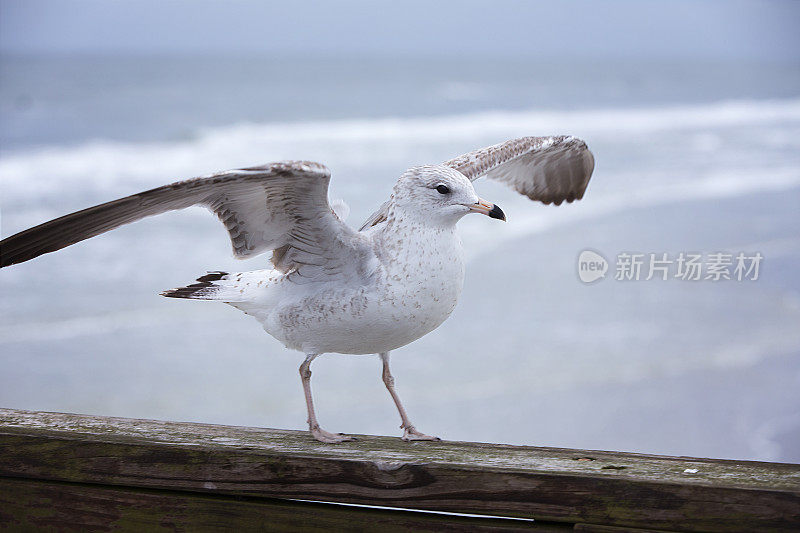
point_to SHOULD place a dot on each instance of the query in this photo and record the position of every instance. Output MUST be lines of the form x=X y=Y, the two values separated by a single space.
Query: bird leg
x=409 y=431
x=313 y=426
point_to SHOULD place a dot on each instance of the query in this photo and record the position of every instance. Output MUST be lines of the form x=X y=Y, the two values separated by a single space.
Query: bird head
x=439 y=195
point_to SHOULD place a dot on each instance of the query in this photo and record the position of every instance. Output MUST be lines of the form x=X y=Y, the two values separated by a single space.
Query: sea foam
x=645 y=156
x=102 y=164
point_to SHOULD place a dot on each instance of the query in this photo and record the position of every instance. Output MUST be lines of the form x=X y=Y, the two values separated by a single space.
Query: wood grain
x=549 y=484
x=36 y=506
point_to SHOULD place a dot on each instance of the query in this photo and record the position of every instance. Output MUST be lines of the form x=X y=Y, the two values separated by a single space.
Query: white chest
x=423 y=280
x=414 y=290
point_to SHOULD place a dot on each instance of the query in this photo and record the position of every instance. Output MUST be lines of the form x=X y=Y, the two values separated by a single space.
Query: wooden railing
x=64 y=471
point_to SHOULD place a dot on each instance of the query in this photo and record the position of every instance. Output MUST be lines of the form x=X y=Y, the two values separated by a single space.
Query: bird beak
x=487 y=208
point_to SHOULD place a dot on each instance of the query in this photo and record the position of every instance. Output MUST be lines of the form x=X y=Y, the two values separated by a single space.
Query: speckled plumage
x=403 y=286
x=333 y=289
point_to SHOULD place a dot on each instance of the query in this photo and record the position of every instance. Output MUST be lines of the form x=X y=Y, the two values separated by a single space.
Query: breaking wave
x=357 y=144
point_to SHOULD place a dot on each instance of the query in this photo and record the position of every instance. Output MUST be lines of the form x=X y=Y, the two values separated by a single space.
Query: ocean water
x=690 y=158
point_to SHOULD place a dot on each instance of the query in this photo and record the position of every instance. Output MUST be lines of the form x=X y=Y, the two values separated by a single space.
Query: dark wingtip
x=196 y=290
x=212 y=276
x=496 y=212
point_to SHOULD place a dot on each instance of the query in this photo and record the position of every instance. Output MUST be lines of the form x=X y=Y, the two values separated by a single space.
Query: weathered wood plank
x=594 y=528
x=27 y=505
x=570 y=486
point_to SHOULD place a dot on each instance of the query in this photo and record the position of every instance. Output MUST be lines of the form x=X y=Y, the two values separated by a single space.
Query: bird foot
x=328 y=437
x=410 y=433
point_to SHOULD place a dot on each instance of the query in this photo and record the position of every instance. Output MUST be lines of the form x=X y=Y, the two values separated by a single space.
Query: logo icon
x=591 y=266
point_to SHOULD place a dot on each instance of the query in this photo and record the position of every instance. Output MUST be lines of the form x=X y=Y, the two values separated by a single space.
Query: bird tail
x=212 y=286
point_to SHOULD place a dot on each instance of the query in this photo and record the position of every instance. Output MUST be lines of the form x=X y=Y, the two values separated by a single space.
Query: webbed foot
x=410 y=433
x=328 y=437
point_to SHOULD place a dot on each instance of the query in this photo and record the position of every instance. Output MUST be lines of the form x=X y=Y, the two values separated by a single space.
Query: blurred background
x=692 y=110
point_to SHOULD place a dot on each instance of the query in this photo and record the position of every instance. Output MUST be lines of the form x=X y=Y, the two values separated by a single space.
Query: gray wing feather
x=545 y=169
x=280 y=206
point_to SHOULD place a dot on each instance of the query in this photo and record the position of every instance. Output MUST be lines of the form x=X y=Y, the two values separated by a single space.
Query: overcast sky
x=735 y=29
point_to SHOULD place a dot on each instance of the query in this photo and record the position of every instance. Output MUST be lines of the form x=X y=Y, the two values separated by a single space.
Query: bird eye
x=443 y=189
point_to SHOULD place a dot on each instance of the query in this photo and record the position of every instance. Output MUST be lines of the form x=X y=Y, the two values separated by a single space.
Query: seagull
x=332 y=289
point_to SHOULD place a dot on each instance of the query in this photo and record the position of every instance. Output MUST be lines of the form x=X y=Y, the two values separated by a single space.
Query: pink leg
x=409 y=431
x=313 y=426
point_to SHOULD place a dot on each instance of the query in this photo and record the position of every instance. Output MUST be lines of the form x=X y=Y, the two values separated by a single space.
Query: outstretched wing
x=281 y=206
x=546 y=169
